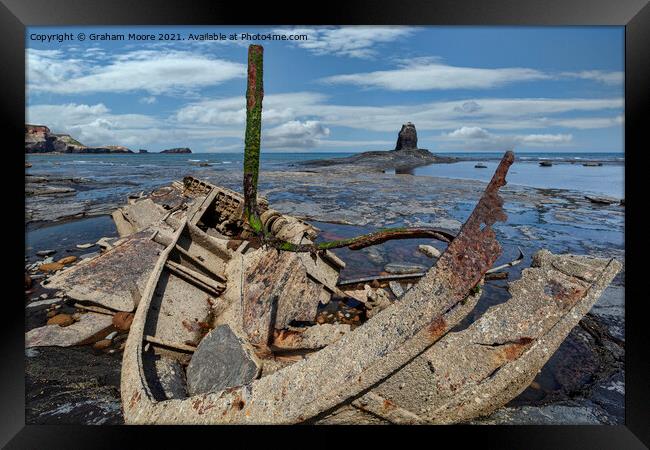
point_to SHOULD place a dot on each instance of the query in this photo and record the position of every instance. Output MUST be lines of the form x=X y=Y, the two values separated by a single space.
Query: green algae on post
x=254 y=96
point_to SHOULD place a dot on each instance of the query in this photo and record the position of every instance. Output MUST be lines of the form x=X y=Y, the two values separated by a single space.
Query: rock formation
x=39 y=139
x=407 y=139
x=177 y=150
x=403 y=159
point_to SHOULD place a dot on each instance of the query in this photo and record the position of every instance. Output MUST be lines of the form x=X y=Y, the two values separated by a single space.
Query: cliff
x=39 y=139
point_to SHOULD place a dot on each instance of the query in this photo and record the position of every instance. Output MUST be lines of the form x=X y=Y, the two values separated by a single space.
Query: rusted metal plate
x=276 y=291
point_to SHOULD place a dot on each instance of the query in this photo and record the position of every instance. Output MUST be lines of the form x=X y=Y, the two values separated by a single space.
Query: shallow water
x=607 y=179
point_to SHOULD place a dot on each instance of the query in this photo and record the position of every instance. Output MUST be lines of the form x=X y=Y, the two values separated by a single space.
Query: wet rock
x=67 y=260
x=91 y=327
x=601 y=200
x=89 y=255
x=106 y=243
x=220 y=361
x=375 y=255
x=102 y=345
x=429 y=250
x=50 y=267
x=554 y=414
x=123 y=320
x=28 y=281
x=396 y=288
x=401 y=269
x=45 y=252
x=39 y=303
x=85 y=246
x=62 y=320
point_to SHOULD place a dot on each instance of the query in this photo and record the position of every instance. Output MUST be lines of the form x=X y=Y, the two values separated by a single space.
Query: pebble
x=62 y=320
x=429 y=250
x=102 y=345
x=43 y=297
x=45 y=252
x=85 y=246
x=111 y=336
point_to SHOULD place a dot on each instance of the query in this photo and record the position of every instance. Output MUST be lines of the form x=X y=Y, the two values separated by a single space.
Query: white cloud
x=427 y=74
x=469 y=133
x=611 y=78
x=592 y=122
x=305 y=120
x=494 y=113
x=476 y=138
x=295 y=134
x=351 y=41
x=153 y=71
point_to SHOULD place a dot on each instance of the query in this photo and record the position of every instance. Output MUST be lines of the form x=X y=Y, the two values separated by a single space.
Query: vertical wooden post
x=254 y=95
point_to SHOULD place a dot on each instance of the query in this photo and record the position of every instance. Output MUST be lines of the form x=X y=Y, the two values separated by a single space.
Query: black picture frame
x=633 y=14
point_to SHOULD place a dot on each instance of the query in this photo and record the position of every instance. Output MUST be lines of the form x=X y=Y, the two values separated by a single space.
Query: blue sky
x=347 y=89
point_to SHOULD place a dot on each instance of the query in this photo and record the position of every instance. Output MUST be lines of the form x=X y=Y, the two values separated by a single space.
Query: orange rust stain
x=389 y=405
x=437 y=328
x=200 y=406
x=514 y=350
x=135 y=398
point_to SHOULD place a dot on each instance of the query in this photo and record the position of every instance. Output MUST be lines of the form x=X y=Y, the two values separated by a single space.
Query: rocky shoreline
x=582 y=383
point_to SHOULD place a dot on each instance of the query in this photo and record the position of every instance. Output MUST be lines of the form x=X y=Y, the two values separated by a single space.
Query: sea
x=128 y=172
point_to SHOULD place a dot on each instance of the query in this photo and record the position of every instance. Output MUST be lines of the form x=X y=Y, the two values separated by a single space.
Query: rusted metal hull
x=382 y=370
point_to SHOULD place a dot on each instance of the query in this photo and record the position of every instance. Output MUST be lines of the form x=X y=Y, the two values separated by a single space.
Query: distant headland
x=40 y=139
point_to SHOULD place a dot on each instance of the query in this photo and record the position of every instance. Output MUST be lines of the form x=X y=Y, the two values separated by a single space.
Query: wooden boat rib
x=401 y=366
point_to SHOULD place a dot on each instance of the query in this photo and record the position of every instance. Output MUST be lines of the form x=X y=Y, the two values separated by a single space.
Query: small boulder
x=429 y=250
x=67 y=260
x=50 y=267
x=84 y=246
x=62 y=320
x=220 y=361
x=123 y=320
x=45 y=252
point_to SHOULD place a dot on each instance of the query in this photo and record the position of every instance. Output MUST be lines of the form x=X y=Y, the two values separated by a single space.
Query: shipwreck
x=226 y=291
